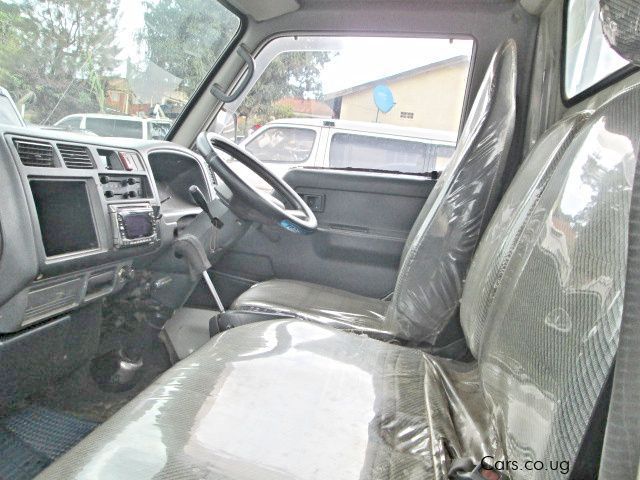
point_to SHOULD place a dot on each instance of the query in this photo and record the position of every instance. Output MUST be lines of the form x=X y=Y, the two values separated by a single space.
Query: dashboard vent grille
x=34 y=154
x=75 y=156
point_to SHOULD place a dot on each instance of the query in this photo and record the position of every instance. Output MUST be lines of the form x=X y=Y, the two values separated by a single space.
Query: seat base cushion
x=318 y=303
x=289 y=399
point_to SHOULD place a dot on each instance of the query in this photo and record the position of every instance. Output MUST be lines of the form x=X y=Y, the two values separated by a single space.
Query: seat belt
x=621 y=451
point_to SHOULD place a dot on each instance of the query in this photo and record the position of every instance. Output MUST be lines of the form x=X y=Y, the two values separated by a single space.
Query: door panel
x=364 y=220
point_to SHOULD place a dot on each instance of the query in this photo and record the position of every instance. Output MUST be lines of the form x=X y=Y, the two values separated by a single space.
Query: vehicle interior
x=162 y=317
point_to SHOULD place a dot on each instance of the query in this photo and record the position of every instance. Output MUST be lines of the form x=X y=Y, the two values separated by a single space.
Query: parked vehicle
x=308 y=142
x=125 y=126
x=9 y=114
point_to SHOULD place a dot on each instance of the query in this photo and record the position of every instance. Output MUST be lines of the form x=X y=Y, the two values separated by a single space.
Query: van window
x=73 y=122
x=100 y=126
x=283 y=144
x=360 y=151
x=588 y=56
x=108 y=127
x=158 y=130
x=389 y=90
x=127 y=128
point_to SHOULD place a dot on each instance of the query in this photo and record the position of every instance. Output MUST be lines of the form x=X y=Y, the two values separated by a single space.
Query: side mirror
x=235 y=127
x=226 y=124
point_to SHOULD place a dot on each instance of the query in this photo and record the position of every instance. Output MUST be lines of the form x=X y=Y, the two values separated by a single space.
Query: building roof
x=307 y=106
x=460 y=59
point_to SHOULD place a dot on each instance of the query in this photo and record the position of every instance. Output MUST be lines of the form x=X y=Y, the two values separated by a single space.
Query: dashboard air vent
x=75 y=156
x=34 y=154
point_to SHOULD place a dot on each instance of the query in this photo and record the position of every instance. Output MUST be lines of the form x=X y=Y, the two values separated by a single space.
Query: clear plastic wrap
x=317 y=303
x=288 y=399
x=496 y=247
x=442 y=243
x=552 y=329
x=621 y=26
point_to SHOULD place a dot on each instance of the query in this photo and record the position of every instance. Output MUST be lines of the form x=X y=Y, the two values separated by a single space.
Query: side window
x=73 y=122
x=283 y=144
x=158 y=130
x=128 y=129
x=389 y=106
x=360 y=151
x=100 y=126
x=588 y=56
x=443 y=155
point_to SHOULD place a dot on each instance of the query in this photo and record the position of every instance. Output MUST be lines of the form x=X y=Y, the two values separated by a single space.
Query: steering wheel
x=246 y=201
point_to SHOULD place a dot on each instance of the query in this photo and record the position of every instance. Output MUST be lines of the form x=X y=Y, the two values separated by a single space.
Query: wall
x=435 y=98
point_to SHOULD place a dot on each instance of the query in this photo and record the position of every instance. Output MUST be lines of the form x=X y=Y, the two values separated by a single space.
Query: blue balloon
x=383 y=98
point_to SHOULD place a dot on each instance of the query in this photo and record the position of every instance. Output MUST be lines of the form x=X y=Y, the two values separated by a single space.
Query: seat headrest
x=621 y=26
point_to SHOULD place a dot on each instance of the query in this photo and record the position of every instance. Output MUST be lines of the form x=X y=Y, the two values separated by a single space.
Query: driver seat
x=440 y=245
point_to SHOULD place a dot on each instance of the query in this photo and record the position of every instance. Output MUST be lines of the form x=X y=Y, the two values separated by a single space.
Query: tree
x=185 y=37
x=290 y=74
x=56 y=49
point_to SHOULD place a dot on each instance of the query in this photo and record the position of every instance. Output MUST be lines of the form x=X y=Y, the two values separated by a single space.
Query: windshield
x=110 y=63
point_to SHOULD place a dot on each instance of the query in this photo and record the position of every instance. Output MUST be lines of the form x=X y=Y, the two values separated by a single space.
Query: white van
x=106 y=125
x=288 y=143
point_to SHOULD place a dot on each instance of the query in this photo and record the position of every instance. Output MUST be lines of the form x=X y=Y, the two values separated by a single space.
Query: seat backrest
x=443 y=239
x=546 y=332
x=507 y=225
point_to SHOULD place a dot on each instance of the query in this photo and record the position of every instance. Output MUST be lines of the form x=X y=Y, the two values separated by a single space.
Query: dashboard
x=76 y=212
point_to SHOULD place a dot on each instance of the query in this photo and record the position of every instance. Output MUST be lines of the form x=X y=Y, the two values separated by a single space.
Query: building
x=430 y=96
x=141 y=91
x=306 y=108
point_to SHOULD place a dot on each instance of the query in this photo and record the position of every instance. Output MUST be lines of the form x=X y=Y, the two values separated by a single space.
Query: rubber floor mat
x=32 y=438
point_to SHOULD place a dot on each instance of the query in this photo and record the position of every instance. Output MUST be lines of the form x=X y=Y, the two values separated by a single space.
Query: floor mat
x=32 y=438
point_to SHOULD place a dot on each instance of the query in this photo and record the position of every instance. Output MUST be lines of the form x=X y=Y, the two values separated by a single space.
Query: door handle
x=314 y=201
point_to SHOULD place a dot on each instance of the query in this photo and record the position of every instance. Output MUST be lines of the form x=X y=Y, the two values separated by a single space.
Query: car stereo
x=133 y=225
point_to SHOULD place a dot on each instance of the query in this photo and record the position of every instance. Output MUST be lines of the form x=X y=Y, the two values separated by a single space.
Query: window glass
x=158 y=130
x=73 y=122
x=374 y=95
x=588 y=56
x=443 y=155
x=139 y=58
x=100 y=126
x=360 y=151
x=287 y=145
x=127 y=128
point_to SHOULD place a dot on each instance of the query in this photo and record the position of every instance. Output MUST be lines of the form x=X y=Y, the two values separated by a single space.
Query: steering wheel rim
x=247 y=202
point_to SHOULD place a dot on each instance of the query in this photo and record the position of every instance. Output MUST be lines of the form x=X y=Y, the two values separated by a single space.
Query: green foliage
x=59 y=54
x=56 y=49
x=185 y=37
x=199 y=30
x=290 y=74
